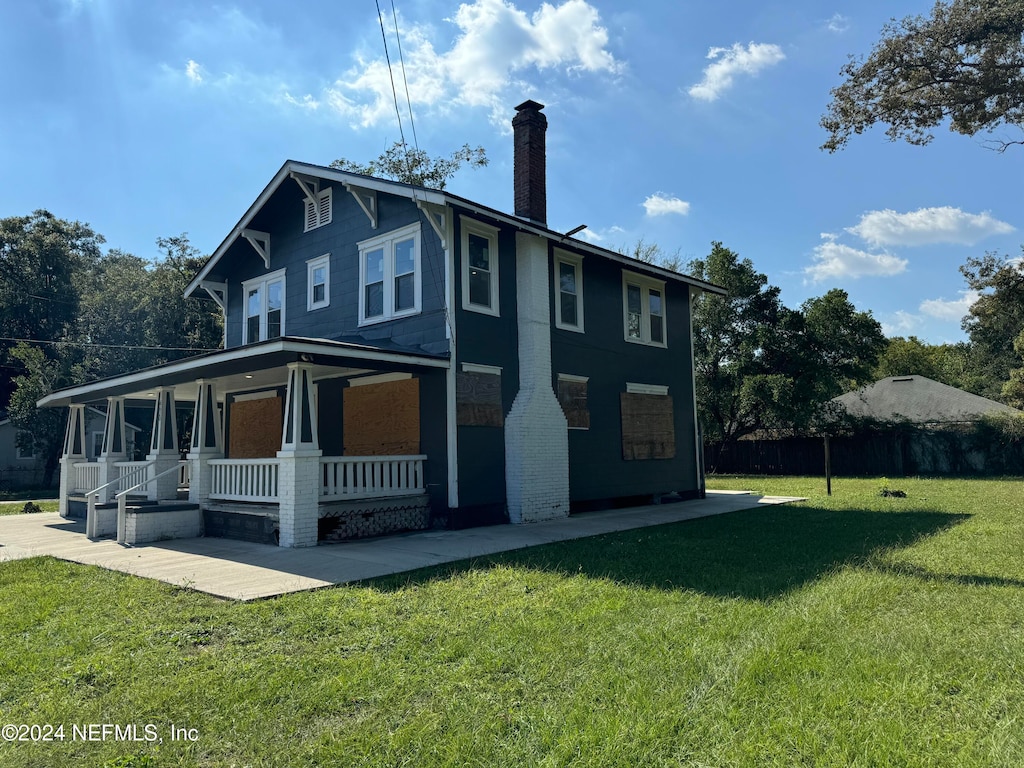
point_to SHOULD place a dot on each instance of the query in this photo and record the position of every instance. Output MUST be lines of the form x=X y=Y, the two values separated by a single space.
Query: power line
x=88 y=345
x=408 y=99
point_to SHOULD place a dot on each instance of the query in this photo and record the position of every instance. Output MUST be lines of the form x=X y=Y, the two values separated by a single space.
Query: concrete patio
x=240 y=570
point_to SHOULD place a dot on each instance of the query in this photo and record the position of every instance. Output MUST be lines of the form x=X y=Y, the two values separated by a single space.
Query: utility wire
x=401 y=58
x=88 y=345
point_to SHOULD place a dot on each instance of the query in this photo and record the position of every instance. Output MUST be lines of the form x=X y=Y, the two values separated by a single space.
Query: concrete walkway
x=240 y=570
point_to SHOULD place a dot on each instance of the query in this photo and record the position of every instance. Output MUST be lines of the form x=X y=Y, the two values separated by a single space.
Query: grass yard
x=16 y=507
x=848 y=631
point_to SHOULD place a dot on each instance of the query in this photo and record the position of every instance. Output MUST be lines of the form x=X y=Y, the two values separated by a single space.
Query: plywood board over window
x=382 y=419
x=255 y=428
x=648 y=427
x=572 y=396
x=478 y=399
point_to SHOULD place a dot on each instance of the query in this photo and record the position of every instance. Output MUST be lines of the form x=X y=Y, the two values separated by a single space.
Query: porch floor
x=240 y=570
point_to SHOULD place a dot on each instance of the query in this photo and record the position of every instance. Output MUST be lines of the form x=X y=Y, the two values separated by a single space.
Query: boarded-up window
x=382 y=419
x=478 y=399
x=648 y=427
x=572 y=396
x=255 y=428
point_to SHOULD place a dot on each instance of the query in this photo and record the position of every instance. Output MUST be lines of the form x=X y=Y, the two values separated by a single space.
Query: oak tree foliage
x=963 y=63
x=414 y=166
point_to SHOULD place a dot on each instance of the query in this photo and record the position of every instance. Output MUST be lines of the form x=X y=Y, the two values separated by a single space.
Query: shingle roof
x=920 y=400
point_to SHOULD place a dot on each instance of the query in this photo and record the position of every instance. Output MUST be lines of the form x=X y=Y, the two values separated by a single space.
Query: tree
x=995 y=321
x=652 y=253
x=42 y=430
x=415 y=166
x=41 y=259
x=762 y=366
x=964 y=63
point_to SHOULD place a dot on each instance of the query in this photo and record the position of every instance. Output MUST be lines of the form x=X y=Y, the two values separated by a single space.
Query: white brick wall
x=536 y=436
x=299 y=498
x=145 y=527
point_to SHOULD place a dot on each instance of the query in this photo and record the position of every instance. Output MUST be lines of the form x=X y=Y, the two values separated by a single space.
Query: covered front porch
x=298 y=440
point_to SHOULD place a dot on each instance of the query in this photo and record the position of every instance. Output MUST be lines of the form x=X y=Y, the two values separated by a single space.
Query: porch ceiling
x=252 y=367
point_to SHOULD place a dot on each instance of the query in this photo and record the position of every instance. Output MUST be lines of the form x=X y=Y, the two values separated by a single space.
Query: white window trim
x=576 y=262
x=380 y=378
x=321 y=221
x=472 y=226
x=494 y=370
x=312 y=265
x=387 y=242
x=645 y=284
x=262 y=282
x=634 y=388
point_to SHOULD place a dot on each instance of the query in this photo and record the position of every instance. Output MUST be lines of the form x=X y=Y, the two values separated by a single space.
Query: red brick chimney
x=531 y=197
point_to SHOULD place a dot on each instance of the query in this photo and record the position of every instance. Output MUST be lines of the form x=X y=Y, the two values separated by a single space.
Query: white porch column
x=299 y=478
x=74 y=451
x=536 y=434
x=207 y=442
x=163 y=448
x=115 y=447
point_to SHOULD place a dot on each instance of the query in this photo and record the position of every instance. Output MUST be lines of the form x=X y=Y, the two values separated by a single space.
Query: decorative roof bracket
x=218 y=292
x=367 y=199
x=437 y=217
x=255 y=237
x=310 y=187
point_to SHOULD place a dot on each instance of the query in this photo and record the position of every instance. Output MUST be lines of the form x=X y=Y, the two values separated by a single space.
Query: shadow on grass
x=964 y=579
x=757 y=554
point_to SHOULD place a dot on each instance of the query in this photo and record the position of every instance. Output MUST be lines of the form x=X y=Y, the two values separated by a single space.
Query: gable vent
x=318 y=210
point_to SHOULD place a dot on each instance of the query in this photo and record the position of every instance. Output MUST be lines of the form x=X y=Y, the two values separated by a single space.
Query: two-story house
x=398 y=357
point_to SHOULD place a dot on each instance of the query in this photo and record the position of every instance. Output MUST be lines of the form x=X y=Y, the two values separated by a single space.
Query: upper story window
x=643 y=303
x=318 y=282
x=390 y=275
x=264 y=307
x=318 y=210
x=569 y=291
x=479 y=267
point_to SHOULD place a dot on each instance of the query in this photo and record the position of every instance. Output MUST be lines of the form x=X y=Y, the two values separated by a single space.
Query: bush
x=31 y=508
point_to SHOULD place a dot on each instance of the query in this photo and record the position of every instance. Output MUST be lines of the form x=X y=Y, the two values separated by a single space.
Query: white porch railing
x=356 y=477
x=86 y=476
x=244 y=479
x=130 y=473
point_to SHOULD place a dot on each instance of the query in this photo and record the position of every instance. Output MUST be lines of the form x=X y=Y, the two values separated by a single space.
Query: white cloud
x=838 y=23
x=194 y=71
x=600 y=235
x=928 y=226
x=496 y=42
x=834 y=260
x=659 y=204
x=730 y=62
x=903 y=323
x=956 y=309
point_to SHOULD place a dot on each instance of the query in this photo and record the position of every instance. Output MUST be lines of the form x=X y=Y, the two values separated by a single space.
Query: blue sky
x=679 y=122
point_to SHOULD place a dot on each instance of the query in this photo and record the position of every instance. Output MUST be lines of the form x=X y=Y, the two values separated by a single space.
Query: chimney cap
x=529 y=104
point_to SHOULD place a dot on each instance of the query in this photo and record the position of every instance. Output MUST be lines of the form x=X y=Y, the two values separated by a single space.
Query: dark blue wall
x=596 y=467
x=291 y=248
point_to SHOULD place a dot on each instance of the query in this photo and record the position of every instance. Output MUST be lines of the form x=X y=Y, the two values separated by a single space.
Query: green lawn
x=16 y=507
x=848 y=631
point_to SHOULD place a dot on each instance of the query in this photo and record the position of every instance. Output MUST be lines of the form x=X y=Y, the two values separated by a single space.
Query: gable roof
x=920 y=400
x=428 y=196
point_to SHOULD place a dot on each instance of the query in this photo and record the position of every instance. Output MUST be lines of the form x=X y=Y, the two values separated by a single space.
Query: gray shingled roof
x=920 y=400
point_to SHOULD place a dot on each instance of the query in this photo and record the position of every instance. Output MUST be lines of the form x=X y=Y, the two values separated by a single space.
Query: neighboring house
x=22 y=468
x=918 y=400
x=397 y=357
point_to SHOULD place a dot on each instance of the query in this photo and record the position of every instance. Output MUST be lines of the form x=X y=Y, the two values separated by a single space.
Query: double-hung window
x=568 y=291
x=479 y=267
x=318 y=282
x=264 y=307
x=643 y=301
x=390 y=276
